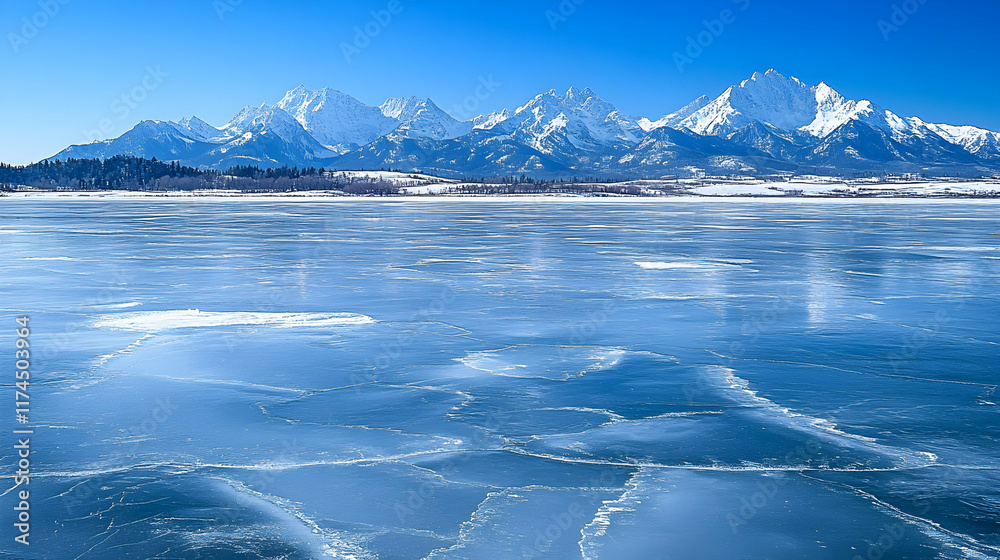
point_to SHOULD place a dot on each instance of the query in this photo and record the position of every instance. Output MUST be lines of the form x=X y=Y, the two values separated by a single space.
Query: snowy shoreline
x=332 y=196
x=125 y=196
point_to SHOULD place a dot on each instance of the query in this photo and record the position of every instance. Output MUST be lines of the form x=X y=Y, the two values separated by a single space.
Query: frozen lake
x=528 y=378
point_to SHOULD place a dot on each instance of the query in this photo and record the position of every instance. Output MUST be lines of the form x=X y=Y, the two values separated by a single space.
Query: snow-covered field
x=832 y=187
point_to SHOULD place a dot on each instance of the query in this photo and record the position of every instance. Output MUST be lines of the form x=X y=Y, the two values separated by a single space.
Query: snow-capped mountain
x=337 y=120
x=266 y=136
x=578 y=120
x=785 y=103
x=976 y=141
x=675 y=118
x=765 y=123
x=422 y=118
x=163 y=140
x=198 y=129
x=401 y=108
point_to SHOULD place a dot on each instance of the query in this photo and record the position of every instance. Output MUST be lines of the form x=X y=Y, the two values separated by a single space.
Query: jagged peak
x=771 y=77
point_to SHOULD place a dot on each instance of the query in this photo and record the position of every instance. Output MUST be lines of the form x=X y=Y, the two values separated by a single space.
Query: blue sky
x=67 y=63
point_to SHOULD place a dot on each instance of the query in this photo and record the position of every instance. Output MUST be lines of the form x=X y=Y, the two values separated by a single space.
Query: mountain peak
x=766 y=119
x=769 y=97
x=401 y=108
x=577 y=93
x=336 y=119
x=771 y=78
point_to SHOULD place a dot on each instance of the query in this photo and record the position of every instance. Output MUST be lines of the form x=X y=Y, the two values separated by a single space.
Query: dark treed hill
x=140 y=174
x=116 y=172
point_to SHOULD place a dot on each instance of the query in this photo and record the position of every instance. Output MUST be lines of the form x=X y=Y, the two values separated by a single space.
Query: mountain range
x=767 y=123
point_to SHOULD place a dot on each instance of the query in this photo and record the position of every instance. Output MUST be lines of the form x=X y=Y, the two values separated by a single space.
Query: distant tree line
x=140 y=174
x=548 y=187
x=117 y=172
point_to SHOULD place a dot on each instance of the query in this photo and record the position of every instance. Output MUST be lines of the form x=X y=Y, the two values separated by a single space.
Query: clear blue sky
x=941 y=64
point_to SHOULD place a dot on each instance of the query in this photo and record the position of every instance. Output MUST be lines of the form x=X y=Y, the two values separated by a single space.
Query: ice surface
x=521 y=378
x=152 y=321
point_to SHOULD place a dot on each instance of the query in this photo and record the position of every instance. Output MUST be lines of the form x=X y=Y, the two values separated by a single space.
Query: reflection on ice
x=494 y=380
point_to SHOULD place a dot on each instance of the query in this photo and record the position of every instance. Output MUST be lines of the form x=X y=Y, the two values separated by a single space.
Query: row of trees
x=548 y=187
x=117 y=172
x=524 y=179
x=133 y=173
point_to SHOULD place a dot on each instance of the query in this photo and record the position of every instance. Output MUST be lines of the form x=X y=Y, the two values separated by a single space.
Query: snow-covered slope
x=421 y=118
x=675 y=118
x=401 y=108
x=577 y=120
x=784 y=103
x=487 y=122
x=765 y=123
x=265 y=136
x=164 y=140
x=199 y=130
x=337 y=120
x=978 y=141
